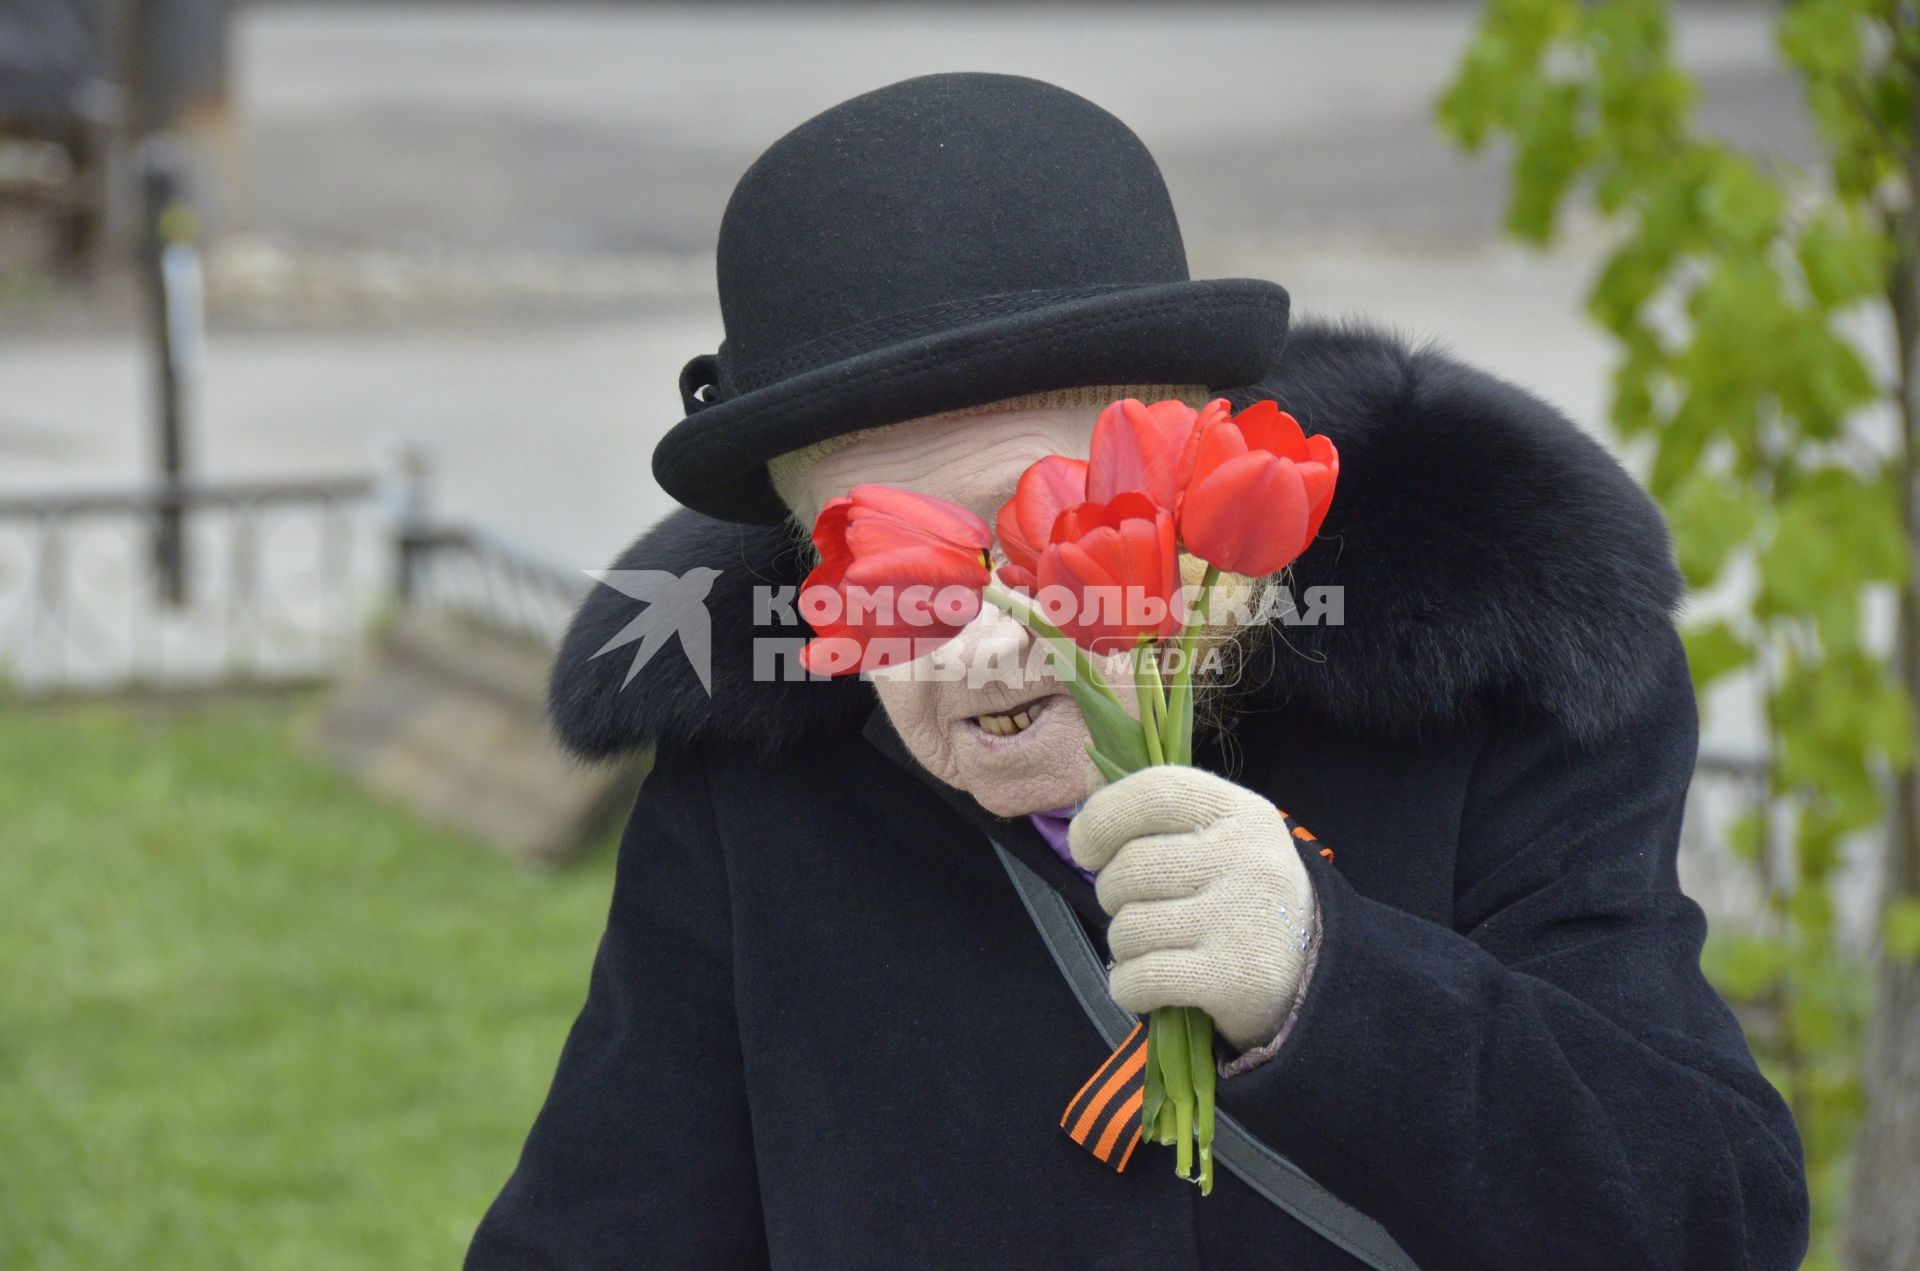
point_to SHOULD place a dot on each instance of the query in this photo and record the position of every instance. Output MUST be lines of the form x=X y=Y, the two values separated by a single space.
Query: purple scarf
x=1053 y=828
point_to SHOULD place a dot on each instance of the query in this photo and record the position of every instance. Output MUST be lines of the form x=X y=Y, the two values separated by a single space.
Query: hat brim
x=1221 y=332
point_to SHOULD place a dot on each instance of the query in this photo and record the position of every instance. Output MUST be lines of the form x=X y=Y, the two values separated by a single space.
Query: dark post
x=412 y=531
x=173 y=61
x=170 y=268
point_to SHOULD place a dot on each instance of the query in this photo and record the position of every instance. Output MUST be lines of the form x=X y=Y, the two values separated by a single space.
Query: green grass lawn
x=250 y=1016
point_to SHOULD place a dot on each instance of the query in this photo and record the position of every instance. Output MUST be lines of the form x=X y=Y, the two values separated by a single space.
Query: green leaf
x=1746 y=967
x=1116 y=734
x=1817 y=843
x=1552 y=150
x=1632 y=276
x=1844 y=259
x=1740 y=205
x=1153 y=1095
x=1900 y=929
x=1636 y=380
x=1812 y=911
x=1819 y=377
x=1820 y=710
x=1733 y=292
x=1833 y=534
x=1887 y=722
x=1683 y=441
x=1820 y=37
x=1713 y=651
x=1815 y=1021
x=1108 y=768
x=1711 y=515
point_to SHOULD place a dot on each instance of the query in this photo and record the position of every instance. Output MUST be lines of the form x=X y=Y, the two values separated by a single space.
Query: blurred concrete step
x=448 y=718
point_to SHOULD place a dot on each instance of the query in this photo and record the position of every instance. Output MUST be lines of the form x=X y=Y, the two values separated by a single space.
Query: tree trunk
x=1884 y=1230
x=1884 y=1219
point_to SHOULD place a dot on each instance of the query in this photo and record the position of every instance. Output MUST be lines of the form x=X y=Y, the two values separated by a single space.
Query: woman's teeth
x=1007 y=725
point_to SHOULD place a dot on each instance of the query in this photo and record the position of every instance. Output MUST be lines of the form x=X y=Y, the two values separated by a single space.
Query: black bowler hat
x=943 y=242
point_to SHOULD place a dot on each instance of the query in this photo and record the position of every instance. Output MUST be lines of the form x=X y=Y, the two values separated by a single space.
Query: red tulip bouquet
x=1092 y=566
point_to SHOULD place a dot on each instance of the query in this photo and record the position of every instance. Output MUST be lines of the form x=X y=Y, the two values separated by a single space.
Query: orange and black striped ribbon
x=1104 y=1117
x=1305 y=835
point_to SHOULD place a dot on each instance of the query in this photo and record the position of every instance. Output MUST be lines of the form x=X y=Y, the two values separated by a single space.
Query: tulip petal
x=1014 y=543
x=1079 y=521
x=1046 y=489
x=935 y=515
x=1079 y=565
x=1219 y=443
x=1140 y=447
x=1133 y=505
x=1248 y=516
x=1122 y=573
x=911 y=566
x=830 y=538
x=1217 y=411
x=1018 y=578
x=871 y=534
x=898 y=550
x=1266 y=427
x=1320 y=489
x=1318 y=480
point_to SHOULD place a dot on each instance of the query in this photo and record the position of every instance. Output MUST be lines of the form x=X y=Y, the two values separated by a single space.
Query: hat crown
x=930 y=193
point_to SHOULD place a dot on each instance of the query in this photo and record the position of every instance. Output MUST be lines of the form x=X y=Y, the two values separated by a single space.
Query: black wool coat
x=822 y=1032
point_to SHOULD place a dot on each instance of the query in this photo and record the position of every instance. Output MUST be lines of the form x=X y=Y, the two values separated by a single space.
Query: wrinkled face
x=986 y=712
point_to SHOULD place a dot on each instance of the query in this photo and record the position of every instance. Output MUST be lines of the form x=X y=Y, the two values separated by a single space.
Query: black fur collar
x=1492 y=556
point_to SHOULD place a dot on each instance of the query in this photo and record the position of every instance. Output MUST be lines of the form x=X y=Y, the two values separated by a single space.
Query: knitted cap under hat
x=787 y=471
x=1091 y=397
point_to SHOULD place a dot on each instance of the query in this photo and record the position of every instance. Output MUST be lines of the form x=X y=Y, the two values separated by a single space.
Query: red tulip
x=1147 y=448
x=1258 y=492
x=899 y=573
x=1025 y=523
x=1111 y=572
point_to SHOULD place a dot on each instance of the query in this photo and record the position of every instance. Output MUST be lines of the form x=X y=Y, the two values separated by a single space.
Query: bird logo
x=676 y=604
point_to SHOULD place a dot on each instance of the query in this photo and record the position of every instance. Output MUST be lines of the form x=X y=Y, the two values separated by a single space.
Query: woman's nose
x=993 y=633
x=993 y=646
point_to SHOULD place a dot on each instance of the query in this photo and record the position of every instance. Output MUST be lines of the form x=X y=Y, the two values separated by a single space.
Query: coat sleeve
x=643 y=1153
x=1551 y=1082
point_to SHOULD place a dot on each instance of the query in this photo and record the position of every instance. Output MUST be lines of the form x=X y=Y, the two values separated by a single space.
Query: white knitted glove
x=1210 y=901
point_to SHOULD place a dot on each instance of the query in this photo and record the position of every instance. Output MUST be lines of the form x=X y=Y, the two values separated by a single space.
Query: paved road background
x=487 y=231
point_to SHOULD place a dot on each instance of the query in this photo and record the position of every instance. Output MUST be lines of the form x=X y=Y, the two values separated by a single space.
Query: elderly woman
x=829 y=1024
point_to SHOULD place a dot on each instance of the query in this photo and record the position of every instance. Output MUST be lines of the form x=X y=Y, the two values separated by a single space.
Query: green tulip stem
x=1167 y=1032
x=1180 y=706
x=1178 y=1108
x=1200 y=1056
x=1146 y=687
x=1001 y=598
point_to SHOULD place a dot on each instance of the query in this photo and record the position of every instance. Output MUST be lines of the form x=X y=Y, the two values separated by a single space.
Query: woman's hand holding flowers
x=1211 y=903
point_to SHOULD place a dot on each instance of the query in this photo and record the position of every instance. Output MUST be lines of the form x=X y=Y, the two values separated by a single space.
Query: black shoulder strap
x=1263 y=1169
